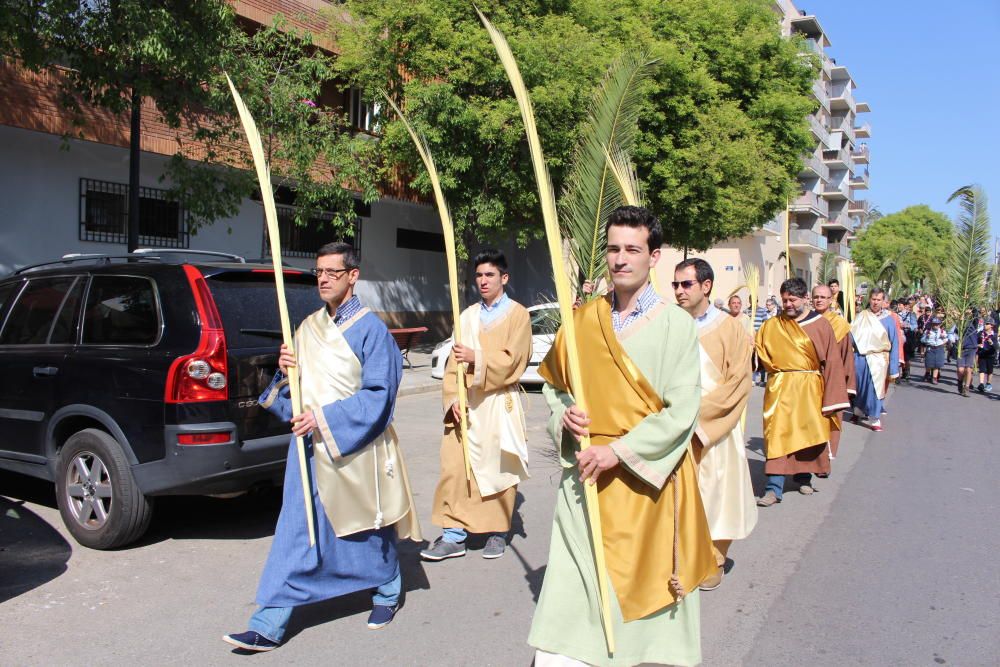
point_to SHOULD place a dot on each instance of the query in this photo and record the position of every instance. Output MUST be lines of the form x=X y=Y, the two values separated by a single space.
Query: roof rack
x=84 y=257
x=187 y=251
x=140 y=255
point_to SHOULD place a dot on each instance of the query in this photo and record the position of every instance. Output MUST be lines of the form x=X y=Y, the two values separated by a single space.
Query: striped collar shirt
x=346 y=311
x=647 y=299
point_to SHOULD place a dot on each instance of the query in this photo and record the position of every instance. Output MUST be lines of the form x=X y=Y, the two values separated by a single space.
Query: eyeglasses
x=686 y=284
x=329 y=273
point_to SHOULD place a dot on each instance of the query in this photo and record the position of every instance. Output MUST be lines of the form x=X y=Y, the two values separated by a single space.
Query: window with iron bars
x=104 y=215
x=305 y=240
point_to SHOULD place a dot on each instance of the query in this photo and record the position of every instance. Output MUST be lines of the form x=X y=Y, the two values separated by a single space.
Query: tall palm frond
x=592 y=191
x=620 y=163
x=965 y=274
x=893 y=273
x=751 y=276
x=827 y=267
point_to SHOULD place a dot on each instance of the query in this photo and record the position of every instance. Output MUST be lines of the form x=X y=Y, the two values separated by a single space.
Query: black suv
x=129 y=377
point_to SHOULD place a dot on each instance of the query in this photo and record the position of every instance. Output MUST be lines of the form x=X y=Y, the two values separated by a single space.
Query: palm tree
x=964 y=285
x=592 y=189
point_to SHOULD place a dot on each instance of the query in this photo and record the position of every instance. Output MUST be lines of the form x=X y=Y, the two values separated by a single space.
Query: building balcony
x=809 y=202
x=837 y=190
x=812 y=166
x=838 y=221
x=819 y=92
x=860 y=181
x=836 y=158
x=841 y=98
x=858 y=207
x=773 y=227
x=806 y=240
x=841 y=124
x=862 y=107
x=860 y=155
x=820 y=132
x=863 y=131
x=813 y=45
x=840 y=249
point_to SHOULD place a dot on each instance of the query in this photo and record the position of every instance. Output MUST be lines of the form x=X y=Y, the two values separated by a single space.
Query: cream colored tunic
x=720 y=449
x=367 y=489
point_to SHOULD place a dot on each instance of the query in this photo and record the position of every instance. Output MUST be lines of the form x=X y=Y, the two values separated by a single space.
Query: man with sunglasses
x=718 y=445
x=823 y=303
x=806 y=384
x=349 y=371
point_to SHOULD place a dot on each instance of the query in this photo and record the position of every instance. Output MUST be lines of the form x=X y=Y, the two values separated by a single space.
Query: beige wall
x=727 y=260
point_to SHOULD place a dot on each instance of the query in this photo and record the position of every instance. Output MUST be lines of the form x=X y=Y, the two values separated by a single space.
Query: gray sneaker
x=495 y=546
x=441 y=550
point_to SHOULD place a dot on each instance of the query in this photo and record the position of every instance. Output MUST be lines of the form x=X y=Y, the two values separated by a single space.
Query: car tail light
x=201 y=375
x=203 y=438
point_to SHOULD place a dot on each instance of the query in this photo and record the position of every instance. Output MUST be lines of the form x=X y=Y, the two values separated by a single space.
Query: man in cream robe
x=718 y=446
x=495 y=350
x=805 y=385
x=823 y=303
x=350 y=370
x=640 y=375
x=876 y=358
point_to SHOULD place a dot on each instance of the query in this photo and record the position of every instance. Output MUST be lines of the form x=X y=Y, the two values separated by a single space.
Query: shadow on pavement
x=32 y=552
x=249 y=516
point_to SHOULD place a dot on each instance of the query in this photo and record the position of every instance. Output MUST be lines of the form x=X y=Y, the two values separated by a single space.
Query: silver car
x=544 y=323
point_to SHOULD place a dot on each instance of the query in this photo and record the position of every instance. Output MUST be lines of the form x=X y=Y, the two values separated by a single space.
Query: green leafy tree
x=909 y=243
x=722 y=126
x=113 y=54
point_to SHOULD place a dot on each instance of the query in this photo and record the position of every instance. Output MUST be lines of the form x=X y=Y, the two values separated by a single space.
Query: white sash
x=369 y=488
x=872 y=340
x=498 y=445
x=723 y=473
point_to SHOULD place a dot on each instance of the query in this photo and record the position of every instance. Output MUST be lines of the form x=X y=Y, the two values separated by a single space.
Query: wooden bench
x=407 y=339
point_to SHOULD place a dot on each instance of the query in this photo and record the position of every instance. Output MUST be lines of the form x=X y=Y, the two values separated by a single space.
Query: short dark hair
x=832 y=281
x=795 y=287
x=875 y=290
x=894 y=303
x=702 y=269
x=490 y=256
x=637 y=216
x=350 y=255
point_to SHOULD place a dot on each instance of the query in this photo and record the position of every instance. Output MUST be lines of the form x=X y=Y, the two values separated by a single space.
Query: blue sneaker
x=250 y=641
x=381 y=616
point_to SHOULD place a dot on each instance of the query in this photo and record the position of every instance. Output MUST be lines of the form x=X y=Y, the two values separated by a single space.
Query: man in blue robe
x=350 y=369
x=876 y=358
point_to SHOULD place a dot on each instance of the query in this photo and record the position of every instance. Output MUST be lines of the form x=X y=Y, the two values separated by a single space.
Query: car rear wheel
x=98 y=498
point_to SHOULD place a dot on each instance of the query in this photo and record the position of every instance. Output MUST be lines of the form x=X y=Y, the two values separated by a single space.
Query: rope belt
x=816 y=372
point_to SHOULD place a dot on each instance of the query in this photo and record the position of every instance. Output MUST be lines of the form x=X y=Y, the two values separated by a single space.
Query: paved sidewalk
x=417 y=378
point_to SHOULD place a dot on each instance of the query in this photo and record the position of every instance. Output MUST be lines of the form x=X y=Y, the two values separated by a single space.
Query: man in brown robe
x=477 y=496
x=806 y=384
x=823 y=302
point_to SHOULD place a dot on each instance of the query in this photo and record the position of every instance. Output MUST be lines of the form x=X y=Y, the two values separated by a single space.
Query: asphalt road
x=890 y=564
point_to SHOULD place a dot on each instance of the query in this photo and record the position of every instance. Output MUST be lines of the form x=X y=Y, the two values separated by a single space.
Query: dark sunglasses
x=686 y=284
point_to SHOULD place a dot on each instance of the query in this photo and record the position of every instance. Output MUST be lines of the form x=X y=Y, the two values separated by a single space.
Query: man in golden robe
x=495 y=349
x=641 y=377
x=823 y=303
x=718 y=446
x=805 y=385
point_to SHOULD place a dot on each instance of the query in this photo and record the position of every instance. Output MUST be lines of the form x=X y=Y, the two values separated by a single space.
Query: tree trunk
x=133 y=172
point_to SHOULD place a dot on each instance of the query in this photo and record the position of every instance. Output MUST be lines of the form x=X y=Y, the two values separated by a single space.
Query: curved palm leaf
x=591 y=190
x=965 y=274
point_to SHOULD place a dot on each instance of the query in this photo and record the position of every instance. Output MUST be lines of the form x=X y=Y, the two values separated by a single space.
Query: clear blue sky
x=931 y=72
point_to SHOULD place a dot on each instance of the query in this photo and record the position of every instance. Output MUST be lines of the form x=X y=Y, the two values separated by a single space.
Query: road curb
x=422 y=388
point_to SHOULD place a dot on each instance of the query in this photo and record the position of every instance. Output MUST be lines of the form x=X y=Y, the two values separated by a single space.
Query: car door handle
x=43 y=371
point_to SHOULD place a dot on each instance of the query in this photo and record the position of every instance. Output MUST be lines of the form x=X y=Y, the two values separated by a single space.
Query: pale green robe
x=663 y=345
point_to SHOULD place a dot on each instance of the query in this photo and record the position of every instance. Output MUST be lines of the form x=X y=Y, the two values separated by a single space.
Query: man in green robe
x=642 y=378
